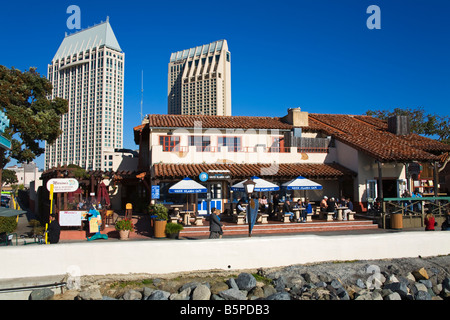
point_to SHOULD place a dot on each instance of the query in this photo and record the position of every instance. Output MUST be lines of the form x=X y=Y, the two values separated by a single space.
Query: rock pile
x=382 y=280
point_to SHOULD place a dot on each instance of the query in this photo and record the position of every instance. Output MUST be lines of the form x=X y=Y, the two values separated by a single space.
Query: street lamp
x=249 y=186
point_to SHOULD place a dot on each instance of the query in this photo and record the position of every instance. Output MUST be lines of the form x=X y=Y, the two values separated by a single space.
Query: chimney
x=399 y=125
x=297 y=117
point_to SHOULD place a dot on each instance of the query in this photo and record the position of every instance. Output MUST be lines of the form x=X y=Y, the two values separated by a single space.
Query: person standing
x=215 y=226
x=54 y=230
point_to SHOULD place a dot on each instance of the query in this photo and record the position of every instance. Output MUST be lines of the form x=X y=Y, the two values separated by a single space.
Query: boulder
x=233 y=294
x=420 y=274
x=132 y=295
x=279 y=296
x=90 y=294
x=246 y=281
x=183 y=295
x=41 y=294
x=159 y=295
x=201 y=292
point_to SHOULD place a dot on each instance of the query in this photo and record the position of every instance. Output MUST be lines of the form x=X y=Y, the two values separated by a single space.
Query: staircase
x=281 y=228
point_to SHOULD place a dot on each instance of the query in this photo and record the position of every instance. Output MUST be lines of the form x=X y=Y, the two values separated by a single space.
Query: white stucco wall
x=163 y=256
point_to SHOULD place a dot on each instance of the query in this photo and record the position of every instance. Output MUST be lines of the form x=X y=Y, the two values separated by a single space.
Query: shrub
x=158 y=210
x=8 y=224
x=173 y=228
x=124 y=225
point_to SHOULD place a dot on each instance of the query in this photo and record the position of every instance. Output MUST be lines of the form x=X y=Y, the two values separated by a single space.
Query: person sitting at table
x=299 y=203
x=308 y=210
x=349 y=205
x=324 y=204
x=287 y=209
x=331 y=207
x=240 y=208
x=263 y=205
x=276 y=201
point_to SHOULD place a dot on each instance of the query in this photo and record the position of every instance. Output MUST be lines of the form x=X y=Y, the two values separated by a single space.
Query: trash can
x=396 y=221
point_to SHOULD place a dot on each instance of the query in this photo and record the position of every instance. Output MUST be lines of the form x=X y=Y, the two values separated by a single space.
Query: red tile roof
x=364 y=133
x=242 y=171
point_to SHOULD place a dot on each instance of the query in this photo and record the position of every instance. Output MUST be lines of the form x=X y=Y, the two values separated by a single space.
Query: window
x=203 y=144
x=233 y=143
x=170 y=143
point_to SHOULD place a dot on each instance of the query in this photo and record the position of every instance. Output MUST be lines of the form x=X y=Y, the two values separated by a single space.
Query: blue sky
x=315 y=54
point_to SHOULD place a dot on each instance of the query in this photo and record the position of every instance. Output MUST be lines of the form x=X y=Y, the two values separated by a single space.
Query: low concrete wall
x=165 y=256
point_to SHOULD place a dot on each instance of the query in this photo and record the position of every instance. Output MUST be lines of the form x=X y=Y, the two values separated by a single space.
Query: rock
x=108 y=298
x=246 y=281
x=422 y=295
x=132 y=295
x=398 y=287
x=41 y=294
x=268 y=290
x=279 y=284
x=232 y=284
x=201 y=292
x=159 y=295
x=147 y=292
x=364 y=295
x=336 y=284
x=90 y=294
x=256 y=292
x=218 y=287
x=419 y=287
x=233 y=294
x=169 y=286
x=216 y=297
x=420 y=274
x=191 y=285
x=426 y=283
x=376 y=295
x=361 y=284
x=279 y=296
x=183 y=295
x=342 y=293
x=310 y=277
x=393 y=296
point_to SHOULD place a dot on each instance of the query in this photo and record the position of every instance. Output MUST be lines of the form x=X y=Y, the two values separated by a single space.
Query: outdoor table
x=339 y=212
x=176 y=208
x=296 y=212
x=186 y=215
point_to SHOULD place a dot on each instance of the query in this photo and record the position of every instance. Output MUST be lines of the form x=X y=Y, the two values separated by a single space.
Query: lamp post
x=249 y=186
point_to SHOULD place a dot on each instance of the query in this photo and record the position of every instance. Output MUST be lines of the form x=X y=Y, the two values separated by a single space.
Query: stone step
x=274 y=228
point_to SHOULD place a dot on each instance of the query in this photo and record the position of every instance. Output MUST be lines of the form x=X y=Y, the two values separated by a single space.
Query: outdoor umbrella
x=261 y=185
x=102 y=194
x=301 y=183
x=187 y=186
x=6 y=212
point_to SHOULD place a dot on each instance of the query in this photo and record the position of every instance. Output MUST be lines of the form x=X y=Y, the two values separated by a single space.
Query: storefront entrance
x=212 y=199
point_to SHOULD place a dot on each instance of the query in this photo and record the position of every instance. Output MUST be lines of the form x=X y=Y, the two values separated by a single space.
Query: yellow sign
x=94 y=225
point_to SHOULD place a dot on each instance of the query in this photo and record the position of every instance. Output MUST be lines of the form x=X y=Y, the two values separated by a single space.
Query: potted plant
x=173 y=230
x=124 y=227
x=160 y=215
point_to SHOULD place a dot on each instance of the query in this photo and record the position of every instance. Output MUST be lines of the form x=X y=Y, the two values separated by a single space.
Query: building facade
x=88 y=71
x=359 y=157
x=199 y=80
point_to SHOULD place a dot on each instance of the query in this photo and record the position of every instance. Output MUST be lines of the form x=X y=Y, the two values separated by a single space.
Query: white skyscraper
x=88 y=71
x=199 y=80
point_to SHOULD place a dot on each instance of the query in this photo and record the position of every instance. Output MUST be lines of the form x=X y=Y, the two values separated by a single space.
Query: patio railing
x=415 y=209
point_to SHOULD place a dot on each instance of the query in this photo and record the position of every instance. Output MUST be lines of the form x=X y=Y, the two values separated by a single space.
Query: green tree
x=9 y=177
x=423 y=123
x=34 y=118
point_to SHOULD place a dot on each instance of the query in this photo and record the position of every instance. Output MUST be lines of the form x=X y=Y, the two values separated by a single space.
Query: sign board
x=70 y=218
x=203 y=177
x=155 y=192
x=63 y=185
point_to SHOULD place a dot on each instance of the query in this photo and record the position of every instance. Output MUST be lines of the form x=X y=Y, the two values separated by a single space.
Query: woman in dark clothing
x=215 y=226
x=54 y=230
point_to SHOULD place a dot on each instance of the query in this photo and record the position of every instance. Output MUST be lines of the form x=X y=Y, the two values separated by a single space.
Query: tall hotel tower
x=199 y=81
x=88 y=71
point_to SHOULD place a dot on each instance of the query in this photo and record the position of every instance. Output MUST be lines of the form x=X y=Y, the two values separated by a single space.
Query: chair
x=109 y=218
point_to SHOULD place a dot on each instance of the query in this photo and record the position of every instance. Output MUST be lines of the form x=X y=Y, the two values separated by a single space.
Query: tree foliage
x=423 y=123
x=33 y=117
x=9 y=177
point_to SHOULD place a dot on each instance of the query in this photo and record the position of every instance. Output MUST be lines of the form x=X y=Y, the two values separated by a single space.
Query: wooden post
x=380 y=186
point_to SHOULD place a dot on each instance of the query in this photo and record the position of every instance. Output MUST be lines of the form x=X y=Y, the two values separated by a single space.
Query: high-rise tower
x=88 y=71
x=199 y=80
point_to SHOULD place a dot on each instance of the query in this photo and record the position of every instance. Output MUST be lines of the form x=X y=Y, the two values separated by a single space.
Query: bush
x=158 y=210
x=8 y=224
x=173 y=228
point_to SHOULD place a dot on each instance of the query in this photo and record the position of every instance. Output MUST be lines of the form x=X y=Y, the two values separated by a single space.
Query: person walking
x=215 y=226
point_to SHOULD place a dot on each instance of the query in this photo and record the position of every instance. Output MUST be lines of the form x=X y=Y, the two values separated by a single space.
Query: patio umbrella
x=187 y=186
x=102 y=194
x=6 y=212
x=261 y=185
x=301 y=183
